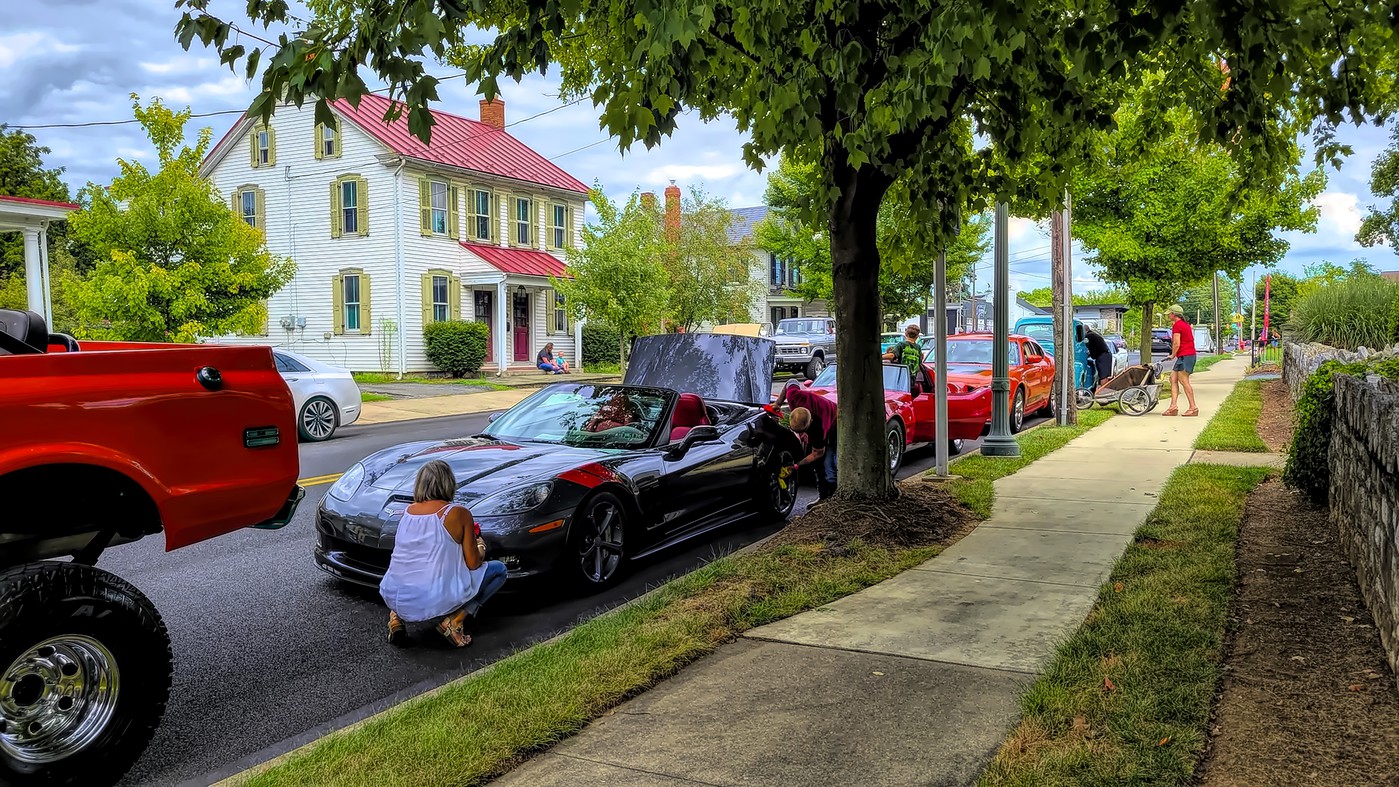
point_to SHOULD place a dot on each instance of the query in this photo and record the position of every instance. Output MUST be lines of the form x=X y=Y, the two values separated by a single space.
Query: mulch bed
x=1275 y=423
x=1307 y=696
x=924 y=515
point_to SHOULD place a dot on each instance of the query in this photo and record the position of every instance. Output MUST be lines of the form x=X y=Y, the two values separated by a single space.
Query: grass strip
x=386 y=378
x=1126 y=699
x=1235 y=426
x=365 y=396
x=977 y=473
x=476 y=728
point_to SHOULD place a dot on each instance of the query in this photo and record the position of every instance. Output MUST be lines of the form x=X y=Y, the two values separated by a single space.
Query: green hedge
x=457 y=347
x=1308 y=467
x=601 y=344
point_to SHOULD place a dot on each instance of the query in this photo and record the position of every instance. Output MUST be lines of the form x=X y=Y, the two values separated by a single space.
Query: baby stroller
x=1135 y=390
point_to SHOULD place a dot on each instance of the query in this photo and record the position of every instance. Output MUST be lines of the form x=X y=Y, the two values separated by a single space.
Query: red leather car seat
x=689 y=413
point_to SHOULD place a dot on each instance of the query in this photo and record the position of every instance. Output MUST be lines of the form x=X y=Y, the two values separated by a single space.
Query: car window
x=800 y=326
x=286 y=363
x=1039 y=331
x=978 y=351
x=826 y=378
x=896 y=379
x=608 y=416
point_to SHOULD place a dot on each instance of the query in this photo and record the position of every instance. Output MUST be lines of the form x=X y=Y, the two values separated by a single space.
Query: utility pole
x=973 y=300
x=1000 y=442
x=1218 y=329
x=1239 y=303
x=1065 y=411
x=940 y=364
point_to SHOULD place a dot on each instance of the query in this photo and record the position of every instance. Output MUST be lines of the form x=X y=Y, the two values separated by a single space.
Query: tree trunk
x=1148 y=322
x=862 y=454
x=621 y=353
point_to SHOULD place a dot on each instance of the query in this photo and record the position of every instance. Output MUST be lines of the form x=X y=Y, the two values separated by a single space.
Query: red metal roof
x=45 y=202
x=458 y=142
x=522 y=262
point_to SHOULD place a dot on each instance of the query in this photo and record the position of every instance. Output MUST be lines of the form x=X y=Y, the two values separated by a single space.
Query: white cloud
x=1340 y=214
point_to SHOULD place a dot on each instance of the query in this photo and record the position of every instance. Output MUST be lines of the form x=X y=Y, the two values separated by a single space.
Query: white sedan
x=326 y=396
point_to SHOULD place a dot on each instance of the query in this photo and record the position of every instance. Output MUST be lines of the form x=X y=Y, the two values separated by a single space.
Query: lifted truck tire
x=85 y=669
x=814 y=367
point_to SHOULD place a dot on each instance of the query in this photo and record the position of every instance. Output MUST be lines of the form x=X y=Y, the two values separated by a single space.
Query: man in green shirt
x=907 y=352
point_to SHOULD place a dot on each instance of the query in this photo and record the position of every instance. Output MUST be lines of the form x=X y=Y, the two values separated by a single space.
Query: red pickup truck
x=102 y=444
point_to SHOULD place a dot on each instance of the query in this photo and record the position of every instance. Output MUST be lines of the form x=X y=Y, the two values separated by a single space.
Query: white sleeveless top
x=427 y=576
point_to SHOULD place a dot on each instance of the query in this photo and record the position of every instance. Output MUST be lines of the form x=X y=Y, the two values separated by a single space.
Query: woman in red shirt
x=1183 y=351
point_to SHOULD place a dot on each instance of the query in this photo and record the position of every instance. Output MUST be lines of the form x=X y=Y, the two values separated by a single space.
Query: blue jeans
x=490 y=583
x=827 y=472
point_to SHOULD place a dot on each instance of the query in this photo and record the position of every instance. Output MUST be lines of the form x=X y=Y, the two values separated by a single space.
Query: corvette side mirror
x=1033 y=359
x=494 y=415
x=697 y=435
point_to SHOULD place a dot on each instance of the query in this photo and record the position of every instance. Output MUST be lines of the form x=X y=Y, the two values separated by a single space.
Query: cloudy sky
x=76 y=61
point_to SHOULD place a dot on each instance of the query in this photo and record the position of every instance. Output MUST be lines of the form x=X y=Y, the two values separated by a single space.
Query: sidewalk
x=435 y=406
x=916 y=680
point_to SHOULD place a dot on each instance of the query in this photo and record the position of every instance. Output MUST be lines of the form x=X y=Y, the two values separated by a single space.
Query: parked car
x=326 y=396
x=909 y=411
x=1160 y=340
x=1031 y=372
x=1117 y=342
x=106 y=443
x=806 y=344
x=887 y=340
x=582 y=478
x=1204 y=339
x=1040 y=329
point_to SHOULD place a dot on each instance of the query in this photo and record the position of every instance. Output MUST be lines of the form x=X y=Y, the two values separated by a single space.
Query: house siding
x=298 y=225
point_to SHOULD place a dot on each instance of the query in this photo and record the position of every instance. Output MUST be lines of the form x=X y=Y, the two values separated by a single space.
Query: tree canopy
x=174 y=260
x=710 y=275
x=875 y=91
x=1381 y=223
x=794 y=231
x=23 y=174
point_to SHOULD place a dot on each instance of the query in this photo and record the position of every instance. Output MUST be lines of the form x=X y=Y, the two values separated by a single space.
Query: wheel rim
x=318 y=419
x=1019 y=410
x=818 y=366
x=56 y=699
x=1083 y=398
x=896 y=447
x=783 y=491
x=1134 y=401
x=600 y=552
x=954 y=447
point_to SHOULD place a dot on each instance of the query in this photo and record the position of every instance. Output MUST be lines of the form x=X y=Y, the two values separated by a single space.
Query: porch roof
x=520 y=262
x=20 y=212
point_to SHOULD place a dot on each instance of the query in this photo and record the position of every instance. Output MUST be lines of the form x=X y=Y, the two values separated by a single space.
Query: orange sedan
x=1031 y=371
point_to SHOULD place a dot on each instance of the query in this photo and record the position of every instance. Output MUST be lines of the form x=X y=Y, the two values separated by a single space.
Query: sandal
x=1171 y=411
x=1192 y=411
x=451 y=630
x=398 y=632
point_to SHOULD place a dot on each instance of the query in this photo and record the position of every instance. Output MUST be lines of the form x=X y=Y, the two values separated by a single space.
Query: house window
x=482 y=222
x=349 y=283
x=523 y=208
x=779 y=271
x=329 y=144
x=349 y=206
x=560 y=314
x=559 y=226
x=439 y=207
x=248 y=207
x=439 y=298
x=264 y=147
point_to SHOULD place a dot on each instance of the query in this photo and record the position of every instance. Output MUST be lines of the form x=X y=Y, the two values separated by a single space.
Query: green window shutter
x=337 y=299
x=365 y=315
x=425 y=206
x=271 y=148
x=427 y=298
x=362 y=204
x=260 y=212
x=453 y=228
x=252 y=146
x=335 y=139
x=234 y=201
x=319 y=140
x=495 y=217
x=568 y=230
x=335 y=209
x=454 y=297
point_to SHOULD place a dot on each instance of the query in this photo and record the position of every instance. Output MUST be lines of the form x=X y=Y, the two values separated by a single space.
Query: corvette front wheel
x=597 y=542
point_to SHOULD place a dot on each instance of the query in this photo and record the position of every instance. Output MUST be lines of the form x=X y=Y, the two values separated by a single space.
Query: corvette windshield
x=895 y=378
x=607 y=416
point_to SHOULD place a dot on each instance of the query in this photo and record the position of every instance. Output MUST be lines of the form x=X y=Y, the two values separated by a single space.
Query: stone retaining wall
x=1301 y=359
x=1365 y=495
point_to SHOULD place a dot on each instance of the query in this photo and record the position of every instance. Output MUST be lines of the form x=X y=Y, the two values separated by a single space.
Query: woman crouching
x=438 y=569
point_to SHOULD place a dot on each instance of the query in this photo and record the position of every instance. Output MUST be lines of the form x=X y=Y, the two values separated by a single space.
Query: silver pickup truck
x=805 y=344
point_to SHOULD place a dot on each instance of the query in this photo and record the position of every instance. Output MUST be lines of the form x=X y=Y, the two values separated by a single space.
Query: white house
x=389 y=234
x=773 y=274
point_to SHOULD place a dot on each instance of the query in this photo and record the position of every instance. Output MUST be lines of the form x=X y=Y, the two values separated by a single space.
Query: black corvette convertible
x=582 y=477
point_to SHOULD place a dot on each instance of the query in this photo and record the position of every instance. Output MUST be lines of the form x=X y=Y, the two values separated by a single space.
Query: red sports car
x=909 y=409
x=1031 y=371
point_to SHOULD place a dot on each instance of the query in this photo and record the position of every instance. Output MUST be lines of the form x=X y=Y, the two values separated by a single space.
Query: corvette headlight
x=346 y=486
x=514 y=501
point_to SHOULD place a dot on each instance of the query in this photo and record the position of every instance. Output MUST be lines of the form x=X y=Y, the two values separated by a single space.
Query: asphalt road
x=270 y=652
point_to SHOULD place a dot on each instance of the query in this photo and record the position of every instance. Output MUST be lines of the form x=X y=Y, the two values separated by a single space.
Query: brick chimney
x=648 y=201
x=493 y=113
x=672 y=210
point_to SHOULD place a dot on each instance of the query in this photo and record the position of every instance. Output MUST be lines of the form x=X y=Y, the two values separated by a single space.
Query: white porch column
x=578 y=343
x=501 y=310
x=36 y=274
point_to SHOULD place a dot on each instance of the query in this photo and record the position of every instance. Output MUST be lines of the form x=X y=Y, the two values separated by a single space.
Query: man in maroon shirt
x=1183 y=351
x=814 y=416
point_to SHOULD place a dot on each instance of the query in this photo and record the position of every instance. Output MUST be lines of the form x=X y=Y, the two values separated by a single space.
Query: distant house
x=776 y=276
x=390 y=234
x=1391 y=275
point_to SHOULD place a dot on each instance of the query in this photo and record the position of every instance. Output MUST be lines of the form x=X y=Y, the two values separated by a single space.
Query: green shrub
x=457 y=347
x=601 y=344
x=1355 y=312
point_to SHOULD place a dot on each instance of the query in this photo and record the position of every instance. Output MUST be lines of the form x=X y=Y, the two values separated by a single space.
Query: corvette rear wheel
x=597 y=542
x=778 y=495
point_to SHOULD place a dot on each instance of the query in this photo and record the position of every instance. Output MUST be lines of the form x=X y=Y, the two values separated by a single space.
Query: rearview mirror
x=1031 y=359
x=807 y=383
x=494 y=415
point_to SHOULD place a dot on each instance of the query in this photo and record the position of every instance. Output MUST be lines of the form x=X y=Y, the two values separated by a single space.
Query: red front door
x=521 y=323
x=485 y=313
